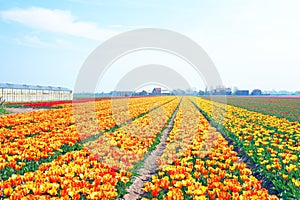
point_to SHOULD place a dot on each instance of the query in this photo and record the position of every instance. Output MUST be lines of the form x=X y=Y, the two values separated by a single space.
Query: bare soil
x=150 y=167
x=20 y=110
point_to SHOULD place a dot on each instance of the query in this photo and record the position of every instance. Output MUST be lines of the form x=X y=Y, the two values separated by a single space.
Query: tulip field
x=285 y=107
x=96 y=150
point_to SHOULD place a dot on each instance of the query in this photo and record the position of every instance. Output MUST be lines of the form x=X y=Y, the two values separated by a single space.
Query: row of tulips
x=89 y=122
x=82 y=173
x=74 y=175
x=128 y=144
x=205 y=168
x=101 y=107
x=21 y=153
x=272 y=143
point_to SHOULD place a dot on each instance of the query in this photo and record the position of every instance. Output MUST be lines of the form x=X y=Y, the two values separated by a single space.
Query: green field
x=2 y=110
x=279 y=106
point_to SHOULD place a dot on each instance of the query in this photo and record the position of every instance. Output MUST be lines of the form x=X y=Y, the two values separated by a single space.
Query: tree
x=2 y=101
x=234 y=89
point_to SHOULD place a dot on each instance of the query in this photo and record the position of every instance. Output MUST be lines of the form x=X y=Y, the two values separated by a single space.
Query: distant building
x=178 y=92
x=201 y=93
x=165 y=92
x=156 y=91
x=221 y=91
x=242 y=92
x=122 y=93
x=256 y=92
x=142 y=93
x=228 y=91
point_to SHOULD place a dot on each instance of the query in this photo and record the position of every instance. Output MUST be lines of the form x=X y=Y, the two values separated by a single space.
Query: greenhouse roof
x=32 y=87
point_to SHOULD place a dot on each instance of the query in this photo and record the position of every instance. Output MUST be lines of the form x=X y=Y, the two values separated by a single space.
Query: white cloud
x=32 y=41
x=37 y=41
x=128 y=27
x=57 y=21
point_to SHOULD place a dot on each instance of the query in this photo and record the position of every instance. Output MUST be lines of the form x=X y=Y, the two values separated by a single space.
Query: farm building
x=242 y=92
x=156 y=91
x=256 y=92
x=27 y=93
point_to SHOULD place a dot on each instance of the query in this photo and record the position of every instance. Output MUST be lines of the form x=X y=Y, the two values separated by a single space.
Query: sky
x=253 y=44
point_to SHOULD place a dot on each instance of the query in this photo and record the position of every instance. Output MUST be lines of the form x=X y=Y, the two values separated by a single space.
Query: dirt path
x=20 y=110
x=150 y=167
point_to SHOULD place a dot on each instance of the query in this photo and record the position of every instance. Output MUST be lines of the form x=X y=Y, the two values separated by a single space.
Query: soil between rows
x=150 y=167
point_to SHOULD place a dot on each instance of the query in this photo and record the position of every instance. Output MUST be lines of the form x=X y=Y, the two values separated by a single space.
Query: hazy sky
x=254 y=44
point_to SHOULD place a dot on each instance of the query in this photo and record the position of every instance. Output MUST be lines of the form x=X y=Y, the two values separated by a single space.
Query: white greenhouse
x=28 y=93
